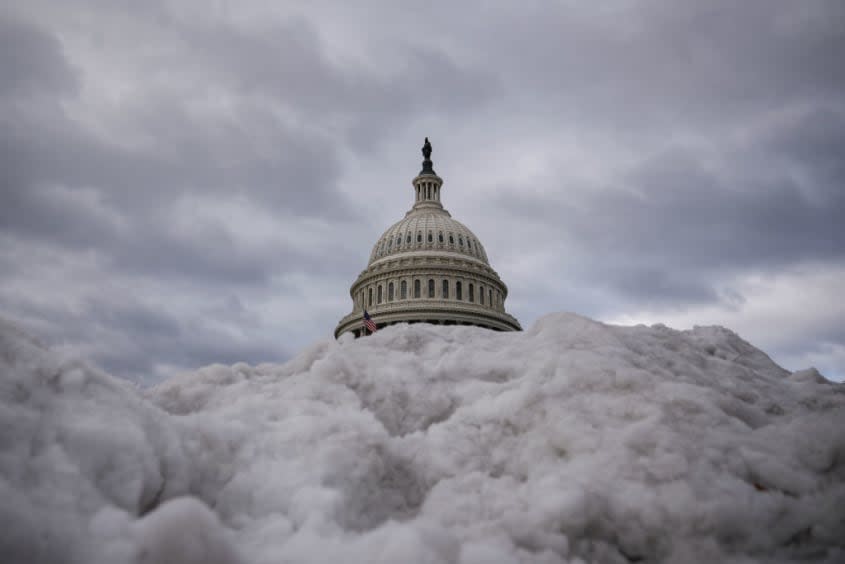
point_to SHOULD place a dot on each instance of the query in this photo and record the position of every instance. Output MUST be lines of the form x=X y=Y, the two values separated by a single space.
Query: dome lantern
x=427 y=184
x=428 y=268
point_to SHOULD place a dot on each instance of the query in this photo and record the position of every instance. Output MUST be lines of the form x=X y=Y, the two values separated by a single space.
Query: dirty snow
x=574 y=441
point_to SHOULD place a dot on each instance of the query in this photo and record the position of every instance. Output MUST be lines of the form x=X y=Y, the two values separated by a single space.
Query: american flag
x=368 y=323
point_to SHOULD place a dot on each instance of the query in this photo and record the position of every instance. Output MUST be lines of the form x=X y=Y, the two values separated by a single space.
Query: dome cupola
x=427 y=184
x=429 y=268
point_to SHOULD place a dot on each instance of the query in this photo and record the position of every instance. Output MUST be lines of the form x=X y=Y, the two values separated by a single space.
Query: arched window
x=398 y=240
x=490 y=297
x=459 y=294
x=481 y=294
x=408 y=239
x=471 y=293
x=460 y=241
x=445 y=291
x=419 y=236
x=403 y=290
x=451 y=239
x=370 y=291
x=378 y=299
x=417 y=288
x=390 y=292
x=389 y=243
x=430 y=288
x=430 y=237
x=440 y=237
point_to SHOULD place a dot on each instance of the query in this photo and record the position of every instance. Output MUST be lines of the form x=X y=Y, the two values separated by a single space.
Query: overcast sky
x=197 y=181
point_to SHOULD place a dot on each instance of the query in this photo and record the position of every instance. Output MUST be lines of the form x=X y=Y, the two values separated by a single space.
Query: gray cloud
x=672 y=226
x=193 y=182
x=664 y=65
x=32 y=62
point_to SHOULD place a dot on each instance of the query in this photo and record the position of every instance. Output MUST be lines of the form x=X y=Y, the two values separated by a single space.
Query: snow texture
x=574 y=441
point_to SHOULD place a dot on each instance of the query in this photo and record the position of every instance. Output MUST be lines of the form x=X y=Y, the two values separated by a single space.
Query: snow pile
x=574 y=441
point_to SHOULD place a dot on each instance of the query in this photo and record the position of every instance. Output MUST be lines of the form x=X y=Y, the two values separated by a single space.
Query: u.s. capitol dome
x=428 y=268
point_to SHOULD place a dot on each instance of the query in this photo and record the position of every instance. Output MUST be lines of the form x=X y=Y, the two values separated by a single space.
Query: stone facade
x=428 y=268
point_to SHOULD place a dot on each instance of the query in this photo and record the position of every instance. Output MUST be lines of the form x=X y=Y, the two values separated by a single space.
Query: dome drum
x=428 y=313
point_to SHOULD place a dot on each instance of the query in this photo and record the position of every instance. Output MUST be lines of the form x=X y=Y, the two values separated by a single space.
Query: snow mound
x=573 y=441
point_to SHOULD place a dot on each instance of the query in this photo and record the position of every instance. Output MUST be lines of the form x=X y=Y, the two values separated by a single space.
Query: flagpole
x=369 y=324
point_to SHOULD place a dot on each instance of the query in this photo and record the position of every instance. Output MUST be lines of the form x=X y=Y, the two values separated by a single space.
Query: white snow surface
x=573 y=441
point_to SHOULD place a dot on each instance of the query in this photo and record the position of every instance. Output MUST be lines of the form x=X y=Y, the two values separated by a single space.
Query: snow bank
x=573 y=441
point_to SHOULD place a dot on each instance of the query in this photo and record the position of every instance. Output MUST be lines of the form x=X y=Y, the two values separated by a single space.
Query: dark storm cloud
x=135 y=337
x=677 y=209
x=715 y=132
x=214 y=157
x=72 y=189
x=658 y=64
x=31 y=61
x=292 y=171
x=288 y=63
x=62 y=184
x=673 y=226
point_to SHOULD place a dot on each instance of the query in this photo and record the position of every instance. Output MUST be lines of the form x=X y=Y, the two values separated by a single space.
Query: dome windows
x=430 y=287
x=458 y=239
x=445 y=292
x=416 y=288
x=370 y=292
x=413 y=235
x=403 y=290
x=378 y=298
x=390 y=292
x=459 y=294
x=471 y=293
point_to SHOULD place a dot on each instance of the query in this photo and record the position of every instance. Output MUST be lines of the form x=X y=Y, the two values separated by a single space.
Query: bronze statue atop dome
x=427 y=165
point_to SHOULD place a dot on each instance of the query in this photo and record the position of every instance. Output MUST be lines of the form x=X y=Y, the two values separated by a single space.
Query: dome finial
x=428 y=166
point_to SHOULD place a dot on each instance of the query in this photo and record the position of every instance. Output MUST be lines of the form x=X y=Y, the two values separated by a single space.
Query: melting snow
x=573 y=441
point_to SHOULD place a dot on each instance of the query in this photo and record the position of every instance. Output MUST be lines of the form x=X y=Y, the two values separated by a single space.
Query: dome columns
x=427 y=188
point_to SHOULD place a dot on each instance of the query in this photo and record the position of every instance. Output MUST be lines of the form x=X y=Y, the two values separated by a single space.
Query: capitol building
x=428 y=268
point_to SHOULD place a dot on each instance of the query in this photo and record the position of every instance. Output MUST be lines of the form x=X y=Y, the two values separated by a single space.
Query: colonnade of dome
x=429 y=268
